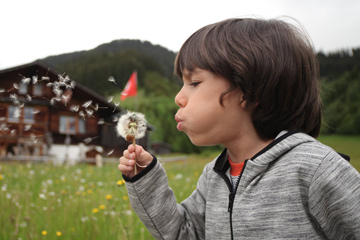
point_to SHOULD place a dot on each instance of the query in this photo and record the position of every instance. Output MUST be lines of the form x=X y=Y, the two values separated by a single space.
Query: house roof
x=33 y=68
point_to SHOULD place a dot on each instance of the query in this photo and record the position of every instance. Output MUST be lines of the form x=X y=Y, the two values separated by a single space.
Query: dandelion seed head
x=131 y=125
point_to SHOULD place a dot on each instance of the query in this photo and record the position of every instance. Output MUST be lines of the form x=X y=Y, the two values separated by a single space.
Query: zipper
x=232 y=193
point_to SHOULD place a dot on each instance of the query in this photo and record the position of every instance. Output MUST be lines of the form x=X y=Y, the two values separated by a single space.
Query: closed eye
x=194 y=84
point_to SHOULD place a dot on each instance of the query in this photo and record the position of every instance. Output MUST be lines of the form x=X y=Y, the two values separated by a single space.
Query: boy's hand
x=127 y=161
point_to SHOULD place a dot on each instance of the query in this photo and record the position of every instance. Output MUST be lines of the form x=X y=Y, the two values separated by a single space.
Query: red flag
x=131 y=87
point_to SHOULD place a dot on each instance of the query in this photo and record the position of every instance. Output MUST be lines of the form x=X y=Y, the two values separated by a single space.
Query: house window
x=23 y=88
x=81 y=125
x=72 y=125
x=29 y=115
x=14 y=114
x=38 y=89
x=67 y=124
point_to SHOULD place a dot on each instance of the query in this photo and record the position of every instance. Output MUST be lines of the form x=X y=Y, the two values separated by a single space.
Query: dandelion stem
x=135 y=167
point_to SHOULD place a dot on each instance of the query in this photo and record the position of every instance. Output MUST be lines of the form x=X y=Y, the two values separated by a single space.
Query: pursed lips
x=179 y=123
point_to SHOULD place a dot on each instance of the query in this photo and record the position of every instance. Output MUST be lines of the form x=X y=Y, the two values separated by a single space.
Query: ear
x=242 y=101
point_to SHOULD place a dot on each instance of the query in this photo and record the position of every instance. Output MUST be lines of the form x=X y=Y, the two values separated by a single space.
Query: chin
x=201 y=142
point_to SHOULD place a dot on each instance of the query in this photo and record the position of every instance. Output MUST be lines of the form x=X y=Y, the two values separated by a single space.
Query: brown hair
x=270 y=61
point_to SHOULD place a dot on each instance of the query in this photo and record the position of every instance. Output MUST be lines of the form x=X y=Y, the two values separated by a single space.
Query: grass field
x=40 y=201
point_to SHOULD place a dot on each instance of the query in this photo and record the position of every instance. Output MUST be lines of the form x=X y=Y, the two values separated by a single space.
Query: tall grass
x=42 y=201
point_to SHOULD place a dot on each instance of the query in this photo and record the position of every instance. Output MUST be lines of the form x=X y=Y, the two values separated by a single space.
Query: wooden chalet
x=45 y=113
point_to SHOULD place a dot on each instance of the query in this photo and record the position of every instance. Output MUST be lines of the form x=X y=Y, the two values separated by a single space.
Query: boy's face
x=202 y=117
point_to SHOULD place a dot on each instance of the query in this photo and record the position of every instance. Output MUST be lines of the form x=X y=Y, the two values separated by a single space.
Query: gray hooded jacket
x=295 y=188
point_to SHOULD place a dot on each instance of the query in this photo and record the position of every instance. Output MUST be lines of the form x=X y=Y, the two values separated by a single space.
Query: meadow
x=43 y=201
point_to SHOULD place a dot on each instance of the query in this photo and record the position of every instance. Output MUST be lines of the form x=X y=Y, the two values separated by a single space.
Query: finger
x=125 y=168
x=128 y=154
x=138 y=149
x=127 y=161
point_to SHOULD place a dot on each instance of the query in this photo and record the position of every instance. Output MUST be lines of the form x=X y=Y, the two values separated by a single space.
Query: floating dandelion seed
x=16 y=86
x=110 y=99
x=34 y=79
x=2 y=90
x=74 y=108
x=112 y=79
x=72 y=85
x=131 y=126
x=45 y=78
x=13 y=97
x=89 y=139
x=25 y=80
x=28 y=97
x=89 y=112
x=17 y=112
x=110 y=152
x=81 y=114
x=65 y=98
x=52 y=101
x=101 y=121
x=116 y=104
x=87 y=104
x=96 y=107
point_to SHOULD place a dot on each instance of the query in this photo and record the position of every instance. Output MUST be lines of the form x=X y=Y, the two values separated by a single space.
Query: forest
x=157 y=85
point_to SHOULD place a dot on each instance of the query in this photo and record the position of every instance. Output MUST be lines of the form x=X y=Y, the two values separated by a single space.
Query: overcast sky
x=35 y=29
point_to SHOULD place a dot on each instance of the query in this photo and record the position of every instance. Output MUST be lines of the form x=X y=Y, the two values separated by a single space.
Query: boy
x=251 y=85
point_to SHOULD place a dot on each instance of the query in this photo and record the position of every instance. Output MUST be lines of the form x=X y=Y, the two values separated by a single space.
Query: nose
x=180 y=99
